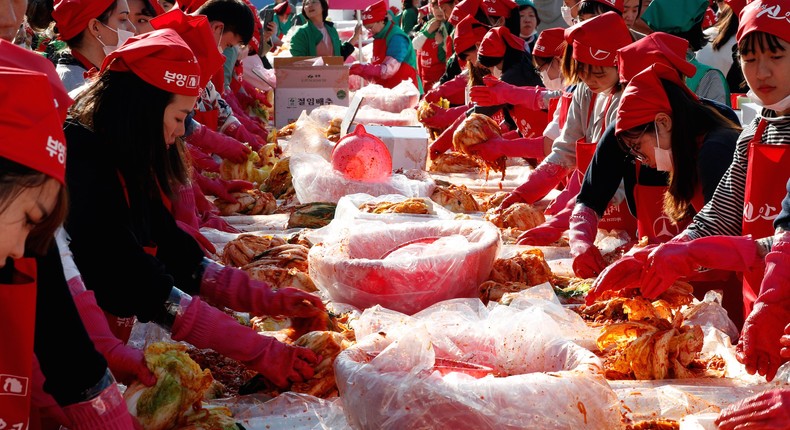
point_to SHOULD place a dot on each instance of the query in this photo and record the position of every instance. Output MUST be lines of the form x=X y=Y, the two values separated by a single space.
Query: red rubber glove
x=369 y=72
x=545 y=177
x=206 y=327
x=673 y=260
x=497 y=147
x=252 y=124
x=202 y=161
x=443 y=118
x=184 y=208
x=214 y=221
x=254 y=93
x=587 y=259
x=551 y=230
x=240 y=133
x=621 y=275
x=785 y=342
x=107 y=411
x=445 y=140
x=211 y=142
x=454 y=91
x=496 y=92
x=221 y=188
x=127 y=364
x=769 y=410
x=233 y=288
x=759 y=347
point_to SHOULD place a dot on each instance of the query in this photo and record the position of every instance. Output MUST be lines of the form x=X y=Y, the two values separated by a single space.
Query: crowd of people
x=113 y=110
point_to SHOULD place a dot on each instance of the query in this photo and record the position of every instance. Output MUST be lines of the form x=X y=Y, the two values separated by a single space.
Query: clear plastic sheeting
x=291 y=411
x=709 y=312
x=394 y=377
x=366 y=115
x=348 y=209
x=315 y=180
x=309 y=137
x=350 y=266
x=403 y=96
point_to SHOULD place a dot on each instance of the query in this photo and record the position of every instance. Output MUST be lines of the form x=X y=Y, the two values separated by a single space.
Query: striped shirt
x=723 y=215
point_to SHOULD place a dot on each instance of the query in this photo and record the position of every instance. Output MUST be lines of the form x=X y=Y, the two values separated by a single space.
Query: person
x=430 y=44
x=408 y=16
x=748 y=195
x=528 y=24
x=285 y=19
x=720 y=51
x=692 y=129
x=318 y=37
x=91 y=29
x=594 y=102
x=156 y=268
x=394 y=59
x=140 y=14
x=549 y=11
x=632 y=10
x=35 y=296
x=685 y=20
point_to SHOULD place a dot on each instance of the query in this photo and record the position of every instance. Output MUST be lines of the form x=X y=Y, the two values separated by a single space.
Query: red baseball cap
x=196 y=32
x=644 y=97
x=468 y=33
x=497 y=7
x=19 y=58
x=161 y=58
x=497 y=39
x=31 y=127
x=550 y=43
x=72 y=16
x=736 y=5
x=767 y=16
x=652 y=49
x=596 y=40
x=463 y=9
x=374 y=13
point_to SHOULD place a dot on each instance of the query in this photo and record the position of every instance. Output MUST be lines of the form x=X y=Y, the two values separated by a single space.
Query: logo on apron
x=13 y=385
x=664 y=227
x=767 y=212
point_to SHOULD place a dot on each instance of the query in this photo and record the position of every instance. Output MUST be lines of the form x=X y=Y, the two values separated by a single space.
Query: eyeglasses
x=631 y=145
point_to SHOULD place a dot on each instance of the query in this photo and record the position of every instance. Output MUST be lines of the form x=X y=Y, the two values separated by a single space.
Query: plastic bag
x=366 y=115
x=292 y=411
x=314 y=180
x=309 y=137
x=710 y=313
x=403 y=96
x=348 y=209
x=348 y=265
x=395 y=378
x=259 y=76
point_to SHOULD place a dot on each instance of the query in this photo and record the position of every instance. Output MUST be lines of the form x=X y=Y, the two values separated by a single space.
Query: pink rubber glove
x=443 y=118
x=497 y=147
x=252 y=124
x=454 y=91
x=183 y=206
x=240 y=133
x=127 y=364
x=587 y=259
x=785 y=342
x=769 y=410
x=621 y=275
x=551 y=230
x=107 y=411
x=759 y=348
x=202 y=161
x=206 y=327
x=211 y=142
x=673 y=260
x=445 y=140
x=214 y=221
x=496 y=92
x=254 y=94
x=545 y=177
x=221 y=188
x=368 y=72
x=233 y=288
x=205 y=244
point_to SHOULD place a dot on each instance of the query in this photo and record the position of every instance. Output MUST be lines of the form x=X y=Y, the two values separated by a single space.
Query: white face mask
x=663 y=156
x=551 y=84
x=567 y=16
x=780 y=106
x=123 y=35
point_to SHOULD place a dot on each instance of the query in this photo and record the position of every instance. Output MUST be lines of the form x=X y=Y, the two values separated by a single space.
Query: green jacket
x=408 y=19
x=308 y=36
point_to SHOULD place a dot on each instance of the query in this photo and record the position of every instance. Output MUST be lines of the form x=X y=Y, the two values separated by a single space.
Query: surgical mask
x=780 y=106
x=663 y=156
x=567 y=16
x=123 y=35
x=551 y=84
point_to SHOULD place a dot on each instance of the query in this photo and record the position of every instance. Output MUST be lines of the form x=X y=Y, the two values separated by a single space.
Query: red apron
x=530 y=123
x=18 y=320
x=564 y=106
x=431 y=69
x=404 y=72
x=209 y=119
x=762 y=200
x=615 y=217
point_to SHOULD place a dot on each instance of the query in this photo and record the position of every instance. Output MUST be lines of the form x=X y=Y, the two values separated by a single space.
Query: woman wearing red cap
x=430 y=44
x=140 y=14
x=748 y=196
x=34 y=297
x=318 y=37
x=394 y=60
x=91 y=29
x=121 y=142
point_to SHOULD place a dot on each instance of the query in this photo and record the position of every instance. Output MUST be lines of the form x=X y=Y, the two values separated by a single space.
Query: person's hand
x=212 y=142
x=621 y=275
x=434 y=25
x=206 y=327
x=268 y=32
x=201 y=161
x=769 y=410
x=673 y=260
x=496 y=92
x=240 y=133
x=221 y=188
x=785 y=342
x=445 y=140
x=233 y=288
x=453 y=91
x=587 y=259
x=368 y=72
x=443 y=118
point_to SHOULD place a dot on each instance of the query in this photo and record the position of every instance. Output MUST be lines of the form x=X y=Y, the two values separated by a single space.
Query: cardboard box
x=304 y=83
x=408 y=146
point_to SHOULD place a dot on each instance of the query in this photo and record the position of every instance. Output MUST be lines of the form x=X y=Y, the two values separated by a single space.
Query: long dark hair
x=728 y=26
x=14 y=179
x=691 y=120
x=126 y=113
